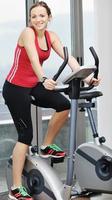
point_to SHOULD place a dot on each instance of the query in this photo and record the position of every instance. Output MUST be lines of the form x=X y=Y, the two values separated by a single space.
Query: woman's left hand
x=94 y=81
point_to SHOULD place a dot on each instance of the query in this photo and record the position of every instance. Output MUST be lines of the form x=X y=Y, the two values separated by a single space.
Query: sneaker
x=52 y=151
x=19 y=194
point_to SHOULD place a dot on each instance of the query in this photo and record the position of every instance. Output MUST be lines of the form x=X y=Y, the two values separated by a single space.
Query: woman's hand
x=49 y=84
x=92 y=81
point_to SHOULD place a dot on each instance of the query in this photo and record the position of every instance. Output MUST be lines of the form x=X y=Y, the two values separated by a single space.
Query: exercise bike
x=41 y=179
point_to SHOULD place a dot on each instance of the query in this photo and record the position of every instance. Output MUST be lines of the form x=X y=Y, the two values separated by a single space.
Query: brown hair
x=43 y=4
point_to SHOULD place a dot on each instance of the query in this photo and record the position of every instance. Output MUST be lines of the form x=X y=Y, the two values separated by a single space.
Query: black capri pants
x=18 y=100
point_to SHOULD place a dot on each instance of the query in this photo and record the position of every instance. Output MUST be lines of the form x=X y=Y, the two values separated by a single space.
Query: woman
x=27 y=78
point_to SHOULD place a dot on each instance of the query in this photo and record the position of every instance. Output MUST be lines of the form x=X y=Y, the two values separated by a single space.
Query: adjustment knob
x=34 y=149
x=102 y=140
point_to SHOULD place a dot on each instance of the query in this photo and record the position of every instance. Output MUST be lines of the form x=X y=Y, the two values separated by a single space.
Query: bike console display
x=81 y=74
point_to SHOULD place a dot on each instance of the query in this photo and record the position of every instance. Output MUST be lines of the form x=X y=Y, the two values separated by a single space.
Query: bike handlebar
x=63 y=64
x=96 y=59
x=96 y=62
x=93 y=52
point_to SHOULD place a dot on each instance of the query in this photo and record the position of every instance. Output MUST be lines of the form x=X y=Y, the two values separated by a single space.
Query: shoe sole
x=11 y=197
x=51 y=156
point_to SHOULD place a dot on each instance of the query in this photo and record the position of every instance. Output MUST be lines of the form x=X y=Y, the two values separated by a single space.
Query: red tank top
x=22 y=73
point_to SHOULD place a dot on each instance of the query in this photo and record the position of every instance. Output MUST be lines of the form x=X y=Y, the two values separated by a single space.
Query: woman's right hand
x=49 y=84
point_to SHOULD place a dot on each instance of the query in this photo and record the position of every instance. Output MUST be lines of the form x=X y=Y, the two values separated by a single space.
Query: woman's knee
x=26 y=137
x=63 y=106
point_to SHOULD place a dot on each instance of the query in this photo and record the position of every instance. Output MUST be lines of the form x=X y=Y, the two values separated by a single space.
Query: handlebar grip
x=65 y=49
x=96 y=61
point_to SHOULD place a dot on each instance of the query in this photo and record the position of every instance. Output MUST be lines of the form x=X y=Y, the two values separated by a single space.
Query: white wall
x=103 y=40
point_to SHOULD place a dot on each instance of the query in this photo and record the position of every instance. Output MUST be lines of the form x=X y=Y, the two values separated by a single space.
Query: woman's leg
x=18 y=102
x=55 y=124
x=52 y=99
x=18 y=157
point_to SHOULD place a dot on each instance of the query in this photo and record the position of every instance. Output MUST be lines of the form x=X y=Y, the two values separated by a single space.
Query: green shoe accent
x=23 y=191
x=55 y=147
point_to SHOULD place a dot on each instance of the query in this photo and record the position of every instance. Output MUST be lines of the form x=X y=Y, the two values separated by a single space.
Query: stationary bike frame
x=74 y=93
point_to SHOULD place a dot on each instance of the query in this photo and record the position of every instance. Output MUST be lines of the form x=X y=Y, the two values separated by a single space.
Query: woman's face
x=39 y=18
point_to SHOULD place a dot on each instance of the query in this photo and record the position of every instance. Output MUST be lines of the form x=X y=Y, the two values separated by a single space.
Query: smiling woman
x=27 y=78
x=11 y=25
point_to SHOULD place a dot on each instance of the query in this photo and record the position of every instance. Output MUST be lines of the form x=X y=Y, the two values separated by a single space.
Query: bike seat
x=90 y=95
